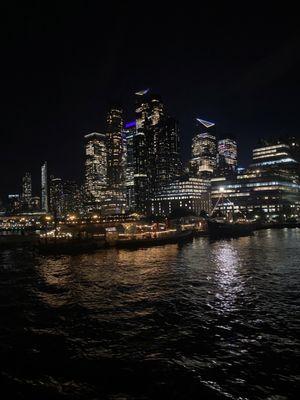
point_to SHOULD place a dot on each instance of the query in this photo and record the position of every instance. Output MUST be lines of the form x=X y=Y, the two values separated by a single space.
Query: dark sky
x=64 y=64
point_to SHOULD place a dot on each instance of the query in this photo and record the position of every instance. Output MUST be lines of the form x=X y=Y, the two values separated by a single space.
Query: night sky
x=63 y=65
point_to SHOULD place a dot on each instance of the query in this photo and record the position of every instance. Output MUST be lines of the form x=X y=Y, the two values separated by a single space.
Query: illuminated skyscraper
x=129 y=133
x=115 y=149
x=95 y=169
x=140 y=150
x=44 y=187
x=73 y=197
x=115 y=195
x=156 y=148
x=167 y=162
x=56 y=196
x=204 y=150
x=156 y=140
x=227 y=156
x=26 y=189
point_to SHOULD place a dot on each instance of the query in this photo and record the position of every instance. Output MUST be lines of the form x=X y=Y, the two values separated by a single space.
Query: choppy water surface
x=205 y=320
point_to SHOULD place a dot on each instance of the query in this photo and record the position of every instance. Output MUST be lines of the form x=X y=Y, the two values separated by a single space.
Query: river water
x=205 y=320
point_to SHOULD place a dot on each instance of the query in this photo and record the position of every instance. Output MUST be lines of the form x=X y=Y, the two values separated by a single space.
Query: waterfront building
x=44 y=187
x=204 y=150
x=227 y=156
x=269 y=187
x=278 y=154
x=26 y=190
x=95 y=170
x=188 y=193
x=257 y=193
x=272 y=155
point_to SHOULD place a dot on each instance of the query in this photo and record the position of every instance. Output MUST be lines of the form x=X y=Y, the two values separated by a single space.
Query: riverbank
x=76 y=245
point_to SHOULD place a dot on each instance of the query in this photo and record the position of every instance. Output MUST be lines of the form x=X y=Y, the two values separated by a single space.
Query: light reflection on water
x=211 y=316
x=229 y=280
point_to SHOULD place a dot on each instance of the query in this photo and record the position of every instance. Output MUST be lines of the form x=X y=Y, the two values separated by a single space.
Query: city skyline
x=184 y=154
x=137 y=166
x=220 y=144
x=238 y=72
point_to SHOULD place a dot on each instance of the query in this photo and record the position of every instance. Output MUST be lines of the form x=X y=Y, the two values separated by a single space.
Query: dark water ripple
x=211 y=320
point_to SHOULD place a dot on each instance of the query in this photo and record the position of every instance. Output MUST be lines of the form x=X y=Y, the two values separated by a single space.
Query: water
x=211 y=320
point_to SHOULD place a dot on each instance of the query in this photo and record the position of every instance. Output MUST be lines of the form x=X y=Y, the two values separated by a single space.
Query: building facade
x=227 y=156
x=188 y=193
x=204 y=150
x=270 y=187
x=95 y=170
x=74 y=198
x=156 y=149
x=129 y=133
x=149 y=112
x=26 y=190
x=115 y=148
x=168 y=163
x=44 y=188
x=56 y=197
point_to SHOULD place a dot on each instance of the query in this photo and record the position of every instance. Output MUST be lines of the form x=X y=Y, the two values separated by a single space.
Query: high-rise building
x=156 y=135
x=140 y=150
x=56 y=197
x=168 y=163
x=129 y=133
x=156 y=148
x=115 y=149
x=227 y=156
x=115 y=195
x=95 y=169
x=204 y=150
x=26 y=189
x=73 y=197
x=44 y=187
